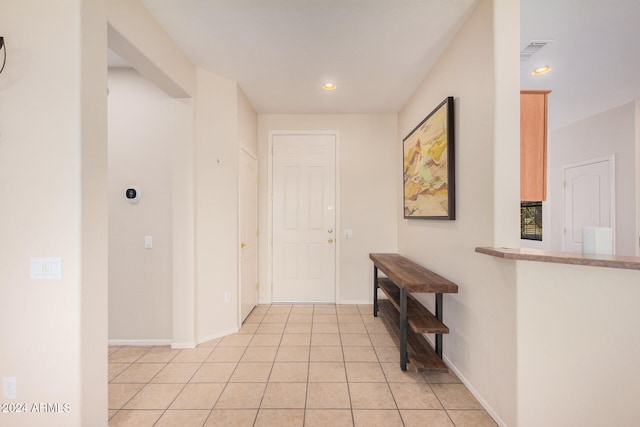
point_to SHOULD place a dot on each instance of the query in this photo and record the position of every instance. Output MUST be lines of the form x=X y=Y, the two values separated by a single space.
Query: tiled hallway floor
x=290 y=365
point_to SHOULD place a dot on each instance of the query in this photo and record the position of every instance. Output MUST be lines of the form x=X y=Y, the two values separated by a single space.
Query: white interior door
x=248 y=233
x=304 y=218
x=588 y=200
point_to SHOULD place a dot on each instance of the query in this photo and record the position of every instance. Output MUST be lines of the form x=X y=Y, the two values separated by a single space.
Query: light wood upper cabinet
x=533 y=145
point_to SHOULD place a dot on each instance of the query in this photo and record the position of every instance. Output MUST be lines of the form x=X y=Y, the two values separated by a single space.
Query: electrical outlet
x=9 y=387
x=227 y=297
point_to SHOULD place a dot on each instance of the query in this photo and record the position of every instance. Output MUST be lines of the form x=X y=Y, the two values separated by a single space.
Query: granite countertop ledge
x=526 y=254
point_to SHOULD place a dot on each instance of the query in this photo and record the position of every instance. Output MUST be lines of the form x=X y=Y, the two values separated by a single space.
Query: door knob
x=330 y=230
x=243 y=245
x=330 y=240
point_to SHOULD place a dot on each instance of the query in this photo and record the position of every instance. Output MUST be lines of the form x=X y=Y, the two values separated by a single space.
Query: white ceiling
x=116 y=61
x=378 y=51
x=595 y=54
x=282 y=51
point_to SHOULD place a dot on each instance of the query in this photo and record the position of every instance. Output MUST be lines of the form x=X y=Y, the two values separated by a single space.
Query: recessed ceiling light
x=541 y=70
x=329 y=86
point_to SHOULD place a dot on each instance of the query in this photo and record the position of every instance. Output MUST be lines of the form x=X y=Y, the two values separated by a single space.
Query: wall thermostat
x=132 y=193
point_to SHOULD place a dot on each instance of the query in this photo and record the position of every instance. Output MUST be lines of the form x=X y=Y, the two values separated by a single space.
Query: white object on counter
x=597 y=240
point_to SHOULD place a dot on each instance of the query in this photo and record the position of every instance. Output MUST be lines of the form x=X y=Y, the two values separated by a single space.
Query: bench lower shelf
x=422 y=357
x=419 y=318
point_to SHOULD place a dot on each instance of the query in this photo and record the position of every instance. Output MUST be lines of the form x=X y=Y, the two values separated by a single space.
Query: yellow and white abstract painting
x=426 y=167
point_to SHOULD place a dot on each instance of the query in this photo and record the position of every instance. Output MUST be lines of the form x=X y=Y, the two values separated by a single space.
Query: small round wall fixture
x=132 y=194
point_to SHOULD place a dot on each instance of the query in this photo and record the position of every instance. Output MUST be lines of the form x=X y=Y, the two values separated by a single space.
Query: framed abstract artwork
x=429 y=167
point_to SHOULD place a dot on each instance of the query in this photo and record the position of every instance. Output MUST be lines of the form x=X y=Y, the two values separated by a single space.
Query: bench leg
x=375 y=291
x=439 y=317
x=403 y=329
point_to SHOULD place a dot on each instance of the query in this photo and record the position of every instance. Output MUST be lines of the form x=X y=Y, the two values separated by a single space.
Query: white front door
x=248 y=233
x=588 y=200
x=304 y=218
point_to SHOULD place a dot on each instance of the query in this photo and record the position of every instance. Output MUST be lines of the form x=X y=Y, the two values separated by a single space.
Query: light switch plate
x=9 y=388
x=46 y=268
x=148 y=242
x=348 y=234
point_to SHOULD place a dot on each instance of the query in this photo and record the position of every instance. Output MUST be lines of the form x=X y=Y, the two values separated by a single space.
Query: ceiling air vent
x=532 y=48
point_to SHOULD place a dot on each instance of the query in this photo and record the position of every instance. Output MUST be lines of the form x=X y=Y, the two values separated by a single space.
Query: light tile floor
x=290 y=365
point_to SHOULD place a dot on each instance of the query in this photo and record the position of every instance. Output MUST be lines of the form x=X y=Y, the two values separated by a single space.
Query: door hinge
x=272 y=150
x=257 y=286
x=257 y=233
x=564 y=231
x=564 y=184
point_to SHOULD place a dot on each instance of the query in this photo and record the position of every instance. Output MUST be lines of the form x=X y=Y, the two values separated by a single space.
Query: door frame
x=637 y=177
x=336 y=134
x=254 y=157
x=612 y=176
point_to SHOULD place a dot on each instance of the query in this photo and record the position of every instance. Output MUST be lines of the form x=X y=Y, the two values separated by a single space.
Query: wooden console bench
x=403 y=277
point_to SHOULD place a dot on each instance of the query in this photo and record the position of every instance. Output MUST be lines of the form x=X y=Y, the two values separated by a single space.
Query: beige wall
x=247 y=125
x=481 y=317
x=138 y=38
x=206 y=135
x=578 y=345
x=225 y=121
x=141 y=120
x=53 y=192
x=216 y=183
x=368 y=159
x=93 y=312
x=183 y=223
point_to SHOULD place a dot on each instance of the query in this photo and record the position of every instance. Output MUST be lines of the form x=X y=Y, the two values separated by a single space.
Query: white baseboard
x=139 y=342
x=183 y=345
x=475 y=392
x=355 y=302
x=174 y=345
x=343 y=302
x=470 y=387
x=217 y=335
